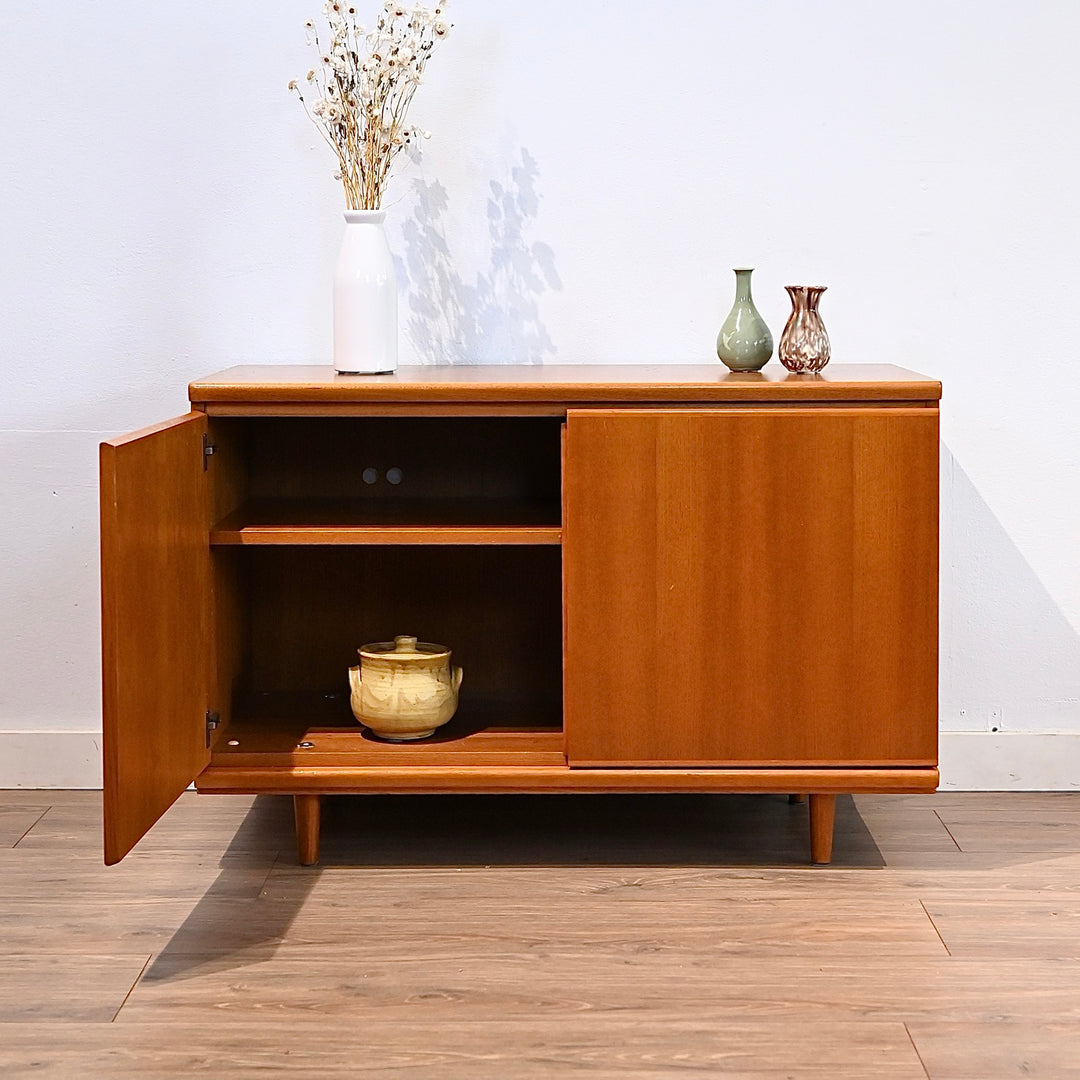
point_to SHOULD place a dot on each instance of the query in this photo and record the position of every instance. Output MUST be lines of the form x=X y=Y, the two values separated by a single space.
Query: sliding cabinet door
x=751 y=586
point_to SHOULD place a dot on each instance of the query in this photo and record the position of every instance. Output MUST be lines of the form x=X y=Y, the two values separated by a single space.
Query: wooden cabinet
x=656 y=579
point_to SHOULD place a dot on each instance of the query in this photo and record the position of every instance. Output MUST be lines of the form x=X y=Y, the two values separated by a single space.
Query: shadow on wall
x=1010 y=657
x=496 y=319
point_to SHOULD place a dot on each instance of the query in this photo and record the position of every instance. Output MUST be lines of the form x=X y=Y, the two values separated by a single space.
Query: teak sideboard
x=656 y=579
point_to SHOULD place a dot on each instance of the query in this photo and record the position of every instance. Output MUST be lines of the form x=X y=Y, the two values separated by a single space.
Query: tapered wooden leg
x=793 y=799
x=307 y=809
x=822 y=816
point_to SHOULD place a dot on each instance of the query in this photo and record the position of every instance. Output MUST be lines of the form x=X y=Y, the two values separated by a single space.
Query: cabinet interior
x=295 y=600
x=382 y=471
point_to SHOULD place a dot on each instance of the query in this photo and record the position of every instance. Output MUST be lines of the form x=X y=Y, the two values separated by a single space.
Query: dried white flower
x=363 y=87
x=328 y=111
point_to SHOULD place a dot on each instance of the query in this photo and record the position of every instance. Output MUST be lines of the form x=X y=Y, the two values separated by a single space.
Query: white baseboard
x=1009 y=761
x=50 y=759
x=970 y=760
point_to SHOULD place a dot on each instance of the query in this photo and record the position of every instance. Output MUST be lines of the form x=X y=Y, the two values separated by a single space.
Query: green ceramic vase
x=744 y=342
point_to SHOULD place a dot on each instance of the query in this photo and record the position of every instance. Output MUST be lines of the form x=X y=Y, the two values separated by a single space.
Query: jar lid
x=402 y=647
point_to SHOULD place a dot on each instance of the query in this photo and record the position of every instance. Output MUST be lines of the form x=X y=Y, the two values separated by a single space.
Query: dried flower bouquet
x=363 y=86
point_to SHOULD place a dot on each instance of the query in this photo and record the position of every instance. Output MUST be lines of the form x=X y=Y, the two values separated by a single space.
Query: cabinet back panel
x=309 y=609
x=438 y=457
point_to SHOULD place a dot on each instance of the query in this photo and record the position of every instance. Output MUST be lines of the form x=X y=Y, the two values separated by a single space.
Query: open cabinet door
x=155 y=597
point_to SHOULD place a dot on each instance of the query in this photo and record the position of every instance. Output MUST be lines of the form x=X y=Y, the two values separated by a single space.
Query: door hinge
x=213 y=720
x=208 y=451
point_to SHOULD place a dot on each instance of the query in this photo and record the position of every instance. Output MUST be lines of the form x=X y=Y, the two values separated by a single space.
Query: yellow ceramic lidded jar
x=404 y=689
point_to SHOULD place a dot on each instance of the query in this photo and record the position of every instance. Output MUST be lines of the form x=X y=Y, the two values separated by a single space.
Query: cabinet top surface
x=565 y=383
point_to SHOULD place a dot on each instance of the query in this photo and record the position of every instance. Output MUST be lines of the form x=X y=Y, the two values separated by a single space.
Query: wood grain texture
x=488 y=979
x=490 y=1049
x=569 y=383
x=994 y=1051
x=1017 y=927
x=617 y=937
x=751 y=586
x=433 y=778
x=273 y=738
x=307 y=809
x=156 y=629
x=822 y=817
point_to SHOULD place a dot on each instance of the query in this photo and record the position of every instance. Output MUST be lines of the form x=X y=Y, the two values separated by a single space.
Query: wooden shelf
x=268 y=733
x=391 y=521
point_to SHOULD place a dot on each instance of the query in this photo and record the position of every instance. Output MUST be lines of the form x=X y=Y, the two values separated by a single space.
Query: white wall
x=167 y=211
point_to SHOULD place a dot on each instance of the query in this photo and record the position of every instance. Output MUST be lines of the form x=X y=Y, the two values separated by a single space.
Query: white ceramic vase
x=365 y=298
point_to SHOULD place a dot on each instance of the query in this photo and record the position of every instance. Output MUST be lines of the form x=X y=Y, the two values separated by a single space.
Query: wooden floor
x=497 y=937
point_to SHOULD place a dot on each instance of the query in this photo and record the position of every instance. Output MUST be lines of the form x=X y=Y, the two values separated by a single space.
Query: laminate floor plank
x=976 y=876
x=1002 y=830
x=1001 y=864
x=528 y=937
x=73 y=987
x=51 y=927
x=19 y=798
x=239 y=823
x=538 y=887
x=450 y=978
x=37 y=876
x=998 y=1051
x=17 y=821
x=907 y=828
x=718 y=930
x=52 y=903
x=1058 y=802
x=1034 y=928
x=606 y=1049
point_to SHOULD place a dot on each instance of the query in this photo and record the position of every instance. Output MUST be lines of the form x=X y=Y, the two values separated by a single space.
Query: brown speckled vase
x=804 y=344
